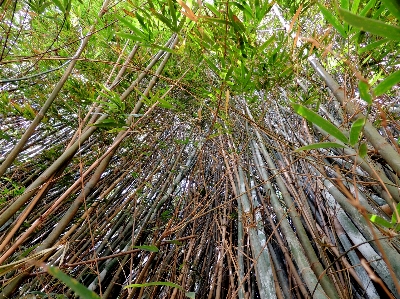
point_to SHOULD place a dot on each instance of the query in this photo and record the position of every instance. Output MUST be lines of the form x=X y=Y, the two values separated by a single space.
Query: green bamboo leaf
x=393 y=6
x=175 y=242
x=229 y=73
x=387 y=84
x=191 y=295
x=378 y=11
x=151 y=248
x=320 y=122
x=332 y=20
x=173 y=13
x=373 y=26
x=131 y=27
x=286 y=72
x=373 y=45
x=394 y=215
x=205 y=38
x=72 y=283
x=164 y=20
x=133 y=37
x=379 y=220
x=375 y=78
x=140 y=19
x=355 y=130
x=59 y=5
x=320 y=145
x=364 y=92
x=155 y=46
x=5 y=136
x=245 y=8
x=156 y=283
x=395 y=220
x=108 y=123
x=355 y=6
x=266 y=43
x=213 y=9
x=367 y=7
x=165 y=104
x=344 y=4
x=217 y=20
x=212 y=65
x=263 y=10
x=18 y=108
x=363 y=150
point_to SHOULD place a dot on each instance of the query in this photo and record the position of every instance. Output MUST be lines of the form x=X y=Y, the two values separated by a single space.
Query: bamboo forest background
x=200 y=149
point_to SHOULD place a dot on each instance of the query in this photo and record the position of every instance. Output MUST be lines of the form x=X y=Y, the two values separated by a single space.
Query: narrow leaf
x=266 y=43
x=329 y=17
x=165 y=104
x=175 y=242
x=265 y=8
x=136 y=38
x=151 y=248
x=395 y=220
x=344 y=4
x=245 y=9
x=320 y=122
x=355 y=130
x=164 y=20
x=373 y=45
x=379 y=220
x=131 y=26
x=59 y=5
x=141 y=20
x=108 y=123
x=166 y=49
x=212 y=65
x=5 y=136
x=364 y=92
x=367 y=7
x=387 y=84
x=355 y=5
x=320 y=145
x=286 y=72
x=363 y=150
x=216 y=20
x=213 y=9
x=373 y=26
x=393 y=6
x=72 y=283
x=398 y=211
x=156 y=283
x=173 y=13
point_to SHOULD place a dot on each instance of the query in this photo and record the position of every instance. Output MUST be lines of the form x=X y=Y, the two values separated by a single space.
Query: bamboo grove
x=200 y=149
